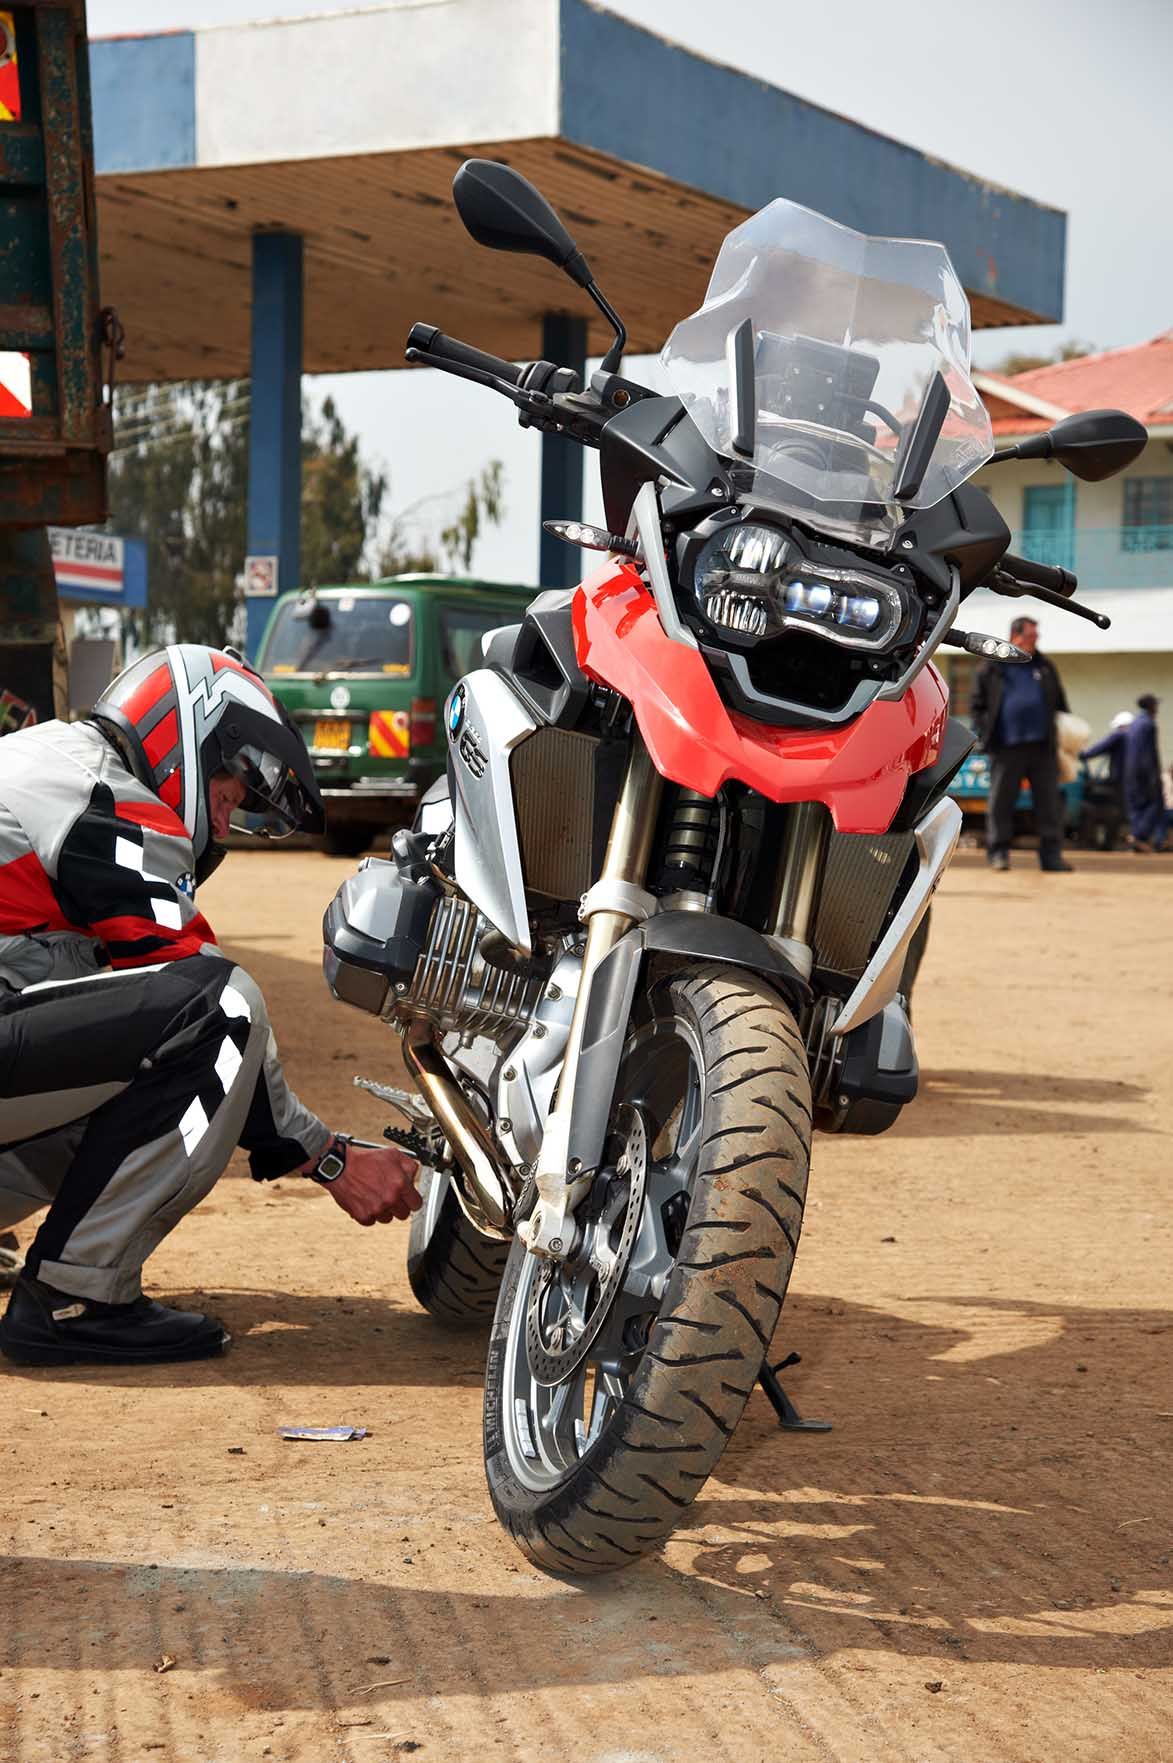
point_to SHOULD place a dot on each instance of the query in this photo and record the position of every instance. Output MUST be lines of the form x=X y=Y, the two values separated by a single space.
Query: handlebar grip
x=1040 y=575
x=430 y=341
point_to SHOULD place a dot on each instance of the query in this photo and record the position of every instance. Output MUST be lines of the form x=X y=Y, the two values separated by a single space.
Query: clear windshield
x=836 y=340
x=337 y=632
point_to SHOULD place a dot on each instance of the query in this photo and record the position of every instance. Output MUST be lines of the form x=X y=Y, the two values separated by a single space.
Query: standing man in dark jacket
x=1142 y=777
x=1013 y=711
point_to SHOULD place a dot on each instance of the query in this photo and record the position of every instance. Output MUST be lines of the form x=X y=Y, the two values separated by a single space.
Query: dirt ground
x=973 y=1566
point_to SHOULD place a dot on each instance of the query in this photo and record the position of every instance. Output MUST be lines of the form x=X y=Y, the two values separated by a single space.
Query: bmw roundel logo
x=456 y=712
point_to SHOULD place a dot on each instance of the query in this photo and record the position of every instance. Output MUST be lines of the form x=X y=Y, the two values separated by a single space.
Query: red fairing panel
x=859 y=771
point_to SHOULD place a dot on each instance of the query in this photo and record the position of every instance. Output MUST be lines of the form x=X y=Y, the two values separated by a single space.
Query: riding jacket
x=97 y=874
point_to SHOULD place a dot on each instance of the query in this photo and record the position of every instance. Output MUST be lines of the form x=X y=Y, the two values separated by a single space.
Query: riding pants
x=122 y=1096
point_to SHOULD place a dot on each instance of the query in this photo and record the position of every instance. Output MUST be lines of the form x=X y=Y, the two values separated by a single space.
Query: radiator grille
x=861 y=876
x=553 y=775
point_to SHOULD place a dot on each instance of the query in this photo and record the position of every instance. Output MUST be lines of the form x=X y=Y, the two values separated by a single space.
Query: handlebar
x=433 y=345
x=1040 y=575
x=546 y=395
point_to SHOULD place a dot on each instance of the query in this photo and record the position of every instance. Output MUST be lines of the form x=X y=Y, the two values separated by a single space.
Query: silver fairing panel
x=936 y=837
x=485 y=721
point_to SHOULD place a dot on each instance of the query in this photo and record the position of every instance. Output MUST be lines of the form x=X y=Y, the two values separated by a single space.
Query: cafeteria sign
x=99 y=567
x=86 y=560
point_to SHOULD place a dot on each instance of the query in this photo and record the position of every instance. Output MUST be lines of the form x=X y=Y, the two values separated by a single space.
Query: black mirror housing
x=1092 y=445
x=502 y=209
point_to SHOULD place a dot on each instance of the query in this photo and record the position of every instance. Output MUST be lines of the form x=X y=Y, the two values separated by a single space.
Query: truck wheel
x=348 y=841
x=454 y=1271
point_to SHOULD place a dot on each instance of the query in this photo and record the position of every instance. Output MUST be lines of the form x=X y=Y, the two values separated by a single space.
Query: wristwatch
x=332 y=1162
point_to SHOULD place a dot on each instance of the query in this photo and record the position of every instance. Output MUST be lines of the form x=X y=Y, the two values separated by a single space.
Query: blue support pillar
x=274 y=454
x=563 y=342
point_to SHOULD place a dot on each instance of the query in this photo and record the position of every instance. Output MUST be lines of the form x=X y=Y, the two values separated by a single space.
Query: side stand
x=789 y=1419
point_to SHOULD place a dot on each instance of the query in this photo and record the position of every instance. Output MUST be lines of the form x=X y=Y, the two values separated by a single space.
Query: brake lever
x=1001 y=583
x=534 y=403
x=552 y=414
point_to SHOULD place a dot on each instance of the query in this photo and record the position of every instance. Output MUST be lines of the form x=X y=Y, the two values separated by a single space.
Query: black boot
x=43 y=1326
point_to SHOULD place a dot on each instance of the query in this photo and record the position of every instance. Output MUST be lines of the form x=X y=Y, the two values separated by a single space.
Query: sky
x=1067 y=105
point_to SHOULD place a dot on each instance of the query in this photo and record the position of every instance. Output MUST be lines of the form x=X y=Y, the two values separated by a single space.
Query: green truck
x=364 y=671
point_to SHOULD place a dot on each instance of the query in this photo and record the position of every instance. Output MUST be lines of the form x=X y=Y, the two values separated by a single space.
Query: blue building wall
x=144 y=102
x=636 y=97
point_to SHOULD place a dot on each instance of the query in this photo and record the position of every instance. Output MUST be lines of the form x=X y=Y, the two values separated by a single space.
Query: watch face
x=330 y=1165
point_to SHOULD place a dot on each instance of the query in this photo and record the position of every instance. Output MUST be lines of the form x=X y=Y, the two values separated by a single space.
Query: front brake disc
x=556 y=1346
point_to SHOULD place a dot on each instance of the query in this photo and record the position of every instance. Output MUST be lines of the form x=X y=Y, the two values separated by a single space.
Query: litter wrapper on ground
x=322 y=1432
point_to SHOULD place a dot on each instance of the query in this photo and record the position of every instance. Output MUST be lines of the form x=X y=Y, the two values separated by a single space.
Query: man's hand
x=377 y=1185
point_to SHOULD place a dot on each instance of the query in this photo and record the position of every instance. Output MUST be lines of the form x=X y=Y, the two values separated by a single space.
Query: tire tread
x=681 y=1410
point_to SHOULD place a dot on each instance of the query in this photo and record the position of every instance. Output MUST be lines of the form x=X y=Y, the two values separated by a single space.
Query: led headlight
x=752 y=580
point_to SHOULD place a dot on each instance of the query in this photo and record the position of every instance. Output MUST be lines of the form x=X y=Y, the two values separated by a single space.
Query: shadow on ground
x=961 y=1102
x=995 y=1489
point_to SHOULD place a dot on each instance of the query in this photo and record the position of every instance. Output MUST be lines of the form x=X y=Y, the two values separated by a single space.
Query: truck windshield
x=340 y=633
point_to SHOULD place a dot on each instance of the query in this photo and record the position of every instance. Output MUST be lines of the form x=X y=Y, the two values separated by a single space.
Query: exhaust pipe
x=483 y=1188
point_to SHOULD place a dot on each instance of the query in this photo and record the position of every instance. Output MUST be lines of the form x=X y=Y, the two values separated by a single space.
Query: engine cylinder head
x=455 y=987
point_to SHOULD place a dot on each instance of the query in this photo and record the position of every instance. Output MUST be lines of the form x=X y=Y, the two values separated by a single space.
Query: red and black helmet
x=182 y=714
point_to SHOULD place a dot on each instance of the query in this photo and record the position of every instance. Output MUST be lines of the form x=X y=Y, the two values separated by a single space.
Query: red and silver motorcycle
x=655 y=925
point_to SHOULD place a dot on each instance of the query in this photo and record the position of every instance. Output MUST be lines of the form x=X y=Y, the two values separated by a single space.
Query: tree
x=451 y=550
x=341 y=500
x=1073 y=351
x=179 y=480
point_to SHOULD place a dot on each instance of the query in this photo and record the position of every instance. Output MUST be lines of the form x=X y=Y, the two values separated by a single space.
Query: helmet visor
x=274 y=804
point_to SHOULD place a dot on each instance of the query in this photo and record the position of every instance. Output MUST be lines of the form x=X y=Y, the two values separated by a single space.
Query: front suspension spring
x=690 y=844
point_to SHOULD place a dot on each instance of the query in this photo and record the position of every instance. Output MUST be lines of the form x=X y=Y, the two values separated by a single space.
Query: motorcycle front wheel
x=615 y=1379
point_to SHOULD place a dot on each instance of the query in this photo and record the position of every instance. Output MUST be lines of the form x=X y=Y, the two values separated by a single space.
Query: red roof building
x=1117 y=535
x=1138 y=379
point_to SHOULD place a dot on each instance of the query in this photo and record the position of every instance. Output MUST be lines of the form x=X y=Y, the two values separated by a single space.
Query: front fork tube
x=550 y=1229
x=794 y=908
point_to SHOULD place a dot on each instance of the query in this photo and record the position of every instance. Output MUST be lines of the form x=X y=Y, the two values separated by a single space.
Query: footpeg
x=409 y=1104
x=414 y=1142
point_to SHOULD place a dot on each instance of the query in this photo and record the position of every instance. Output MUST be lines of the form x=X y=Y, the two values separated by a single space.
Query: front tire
x=590 y=1475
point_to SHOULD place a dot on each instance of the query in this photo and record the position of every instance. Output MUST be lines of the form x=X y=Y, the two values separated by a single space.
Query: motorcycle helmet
x=181 y=714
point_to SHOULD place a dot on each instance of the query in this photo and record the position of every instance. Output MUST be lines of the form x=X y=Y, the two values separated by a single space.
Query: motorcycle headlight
x=752 y=580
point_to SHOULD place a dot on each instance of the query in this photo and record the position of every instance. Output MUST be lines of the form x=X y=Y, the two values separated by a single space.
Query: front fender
x=697 y=936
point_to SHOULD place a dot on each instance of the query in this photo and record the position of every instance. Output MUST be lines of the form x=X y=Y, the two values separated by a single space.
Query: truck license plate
x=332 y=734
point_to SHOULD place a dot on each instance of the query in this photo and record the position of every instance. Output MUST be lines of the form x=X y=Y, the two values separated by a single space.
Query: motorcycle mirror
x=1092 y=445
x=502 y=209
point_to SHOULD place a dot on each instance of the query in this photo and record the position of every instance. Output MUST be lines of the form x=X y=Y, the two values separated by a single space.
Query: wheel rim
x=549 y=1428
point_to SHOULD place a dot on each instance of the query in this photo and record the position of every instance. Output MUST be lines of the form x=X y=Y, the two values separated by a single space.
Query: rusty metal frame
x=52 y=464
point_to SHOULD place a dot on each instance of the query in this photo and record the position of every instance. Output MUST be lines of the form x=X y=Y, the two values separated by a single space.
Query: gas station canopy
x=346 y=130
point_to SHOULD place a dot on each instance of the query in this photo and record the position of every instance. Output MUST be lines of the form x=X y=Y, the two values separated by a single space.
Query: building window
x=1048 y=520
x=1148 y=514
